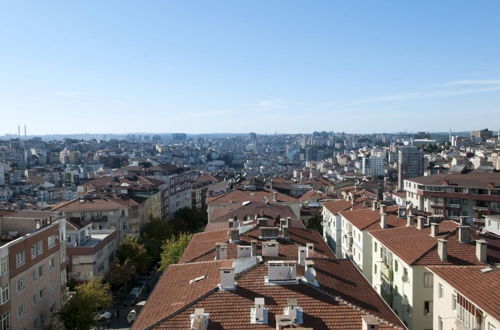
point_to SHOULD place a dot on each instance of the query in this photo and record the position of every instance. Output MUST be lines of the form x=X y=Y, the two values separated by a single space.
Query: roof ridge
x=434 y=246
x=200 y=262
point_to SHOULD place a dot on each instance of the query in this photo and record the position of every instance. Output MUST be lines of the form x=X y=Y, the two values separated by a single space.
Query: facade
x=401 y=257
x=466 y=298
x=492 y=224
x=90 y=252
x=410 y=164
x=472 y=194
x=32 y=269
x=373 y=166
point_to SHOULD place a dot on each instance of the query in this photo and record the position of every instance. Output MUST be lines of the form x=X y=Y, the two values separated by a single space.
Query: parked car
x=132 y=315
x=136 y=291
x=103 y=316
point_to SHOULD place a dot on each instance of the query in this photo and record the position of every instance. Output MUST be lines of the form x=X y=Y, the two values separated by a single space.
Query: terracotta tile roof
x=417 y=247
x=96 y=204
x=336 y=206
x=480 y=288
x=239 y=196
x=313 y=194
x=361 y=218
x=322 y=309
x=174 y=290
x=393 y=221
x=233 y=210
x=31 y=214
x=473 y=179
x=202 y=244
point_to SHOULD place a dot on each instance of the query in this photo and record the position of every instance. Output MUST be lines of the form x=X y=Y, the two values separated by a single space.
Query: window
x=454 y=302
x=396 y=265
x=20 y=284
x=375 y=269
x=440 y=291
x=4 y=294
x=34 y=300
x=21 y=310
x=53 y=286
x=33 y=251
x=40 y=271
x=20 y=258
x=4 y=265
x=53 y=308
x=428 y=279
x=375 y=247
x=491 y=326
x=5 y=321
x=41 y=293
x=51 y=241
x=39 y=247
x=52 y=263
x=428 y=307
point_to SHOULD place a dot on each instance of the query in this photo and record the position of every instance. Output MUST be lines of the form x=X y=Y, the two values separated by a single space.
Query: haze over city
x=225 y=66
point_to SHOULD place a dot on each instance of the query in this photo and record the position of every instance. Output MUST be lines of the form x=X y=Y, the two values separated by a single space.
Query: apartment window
x=4 y=265
x=41 y=293
x=53 y=308
x=440 y=291
x=375 y=269
x=51 y=241
x=20 y=258
x=396 y=265
x=428 y=280
x=34 y=299
x=52 y=263
x=39 y=247
x=428 y=307
x=5 y=321
x=4 y=294
x=40 y=271
x=454 y=302
x=491 y=326
x=21 y=310
x=53 y=286
x=20 y=284
x=63 y=277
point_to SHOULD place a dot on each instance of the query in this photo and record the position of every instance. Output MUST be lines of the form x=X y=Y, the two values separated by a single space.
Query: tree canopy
x=173 y=248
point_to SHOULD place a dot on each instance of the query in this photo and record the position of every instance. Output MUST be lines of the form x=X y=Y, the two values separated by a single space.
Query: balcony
x=453 y=206
x=386 y=273
x=102 y=218
x=388 y=297
x=480 y=208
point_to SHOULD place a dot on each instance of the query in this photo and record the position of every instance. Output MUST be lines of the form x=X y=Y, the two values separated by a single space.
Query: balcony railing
x=386 y=273
x=453 y=206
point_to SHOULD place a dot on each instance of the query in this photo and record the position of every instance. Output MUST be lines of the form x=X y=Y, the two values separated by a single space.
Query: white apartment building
x=373 y=166
x=332 y=225
x=492 y=224
x=400 y=260
x=466 y=297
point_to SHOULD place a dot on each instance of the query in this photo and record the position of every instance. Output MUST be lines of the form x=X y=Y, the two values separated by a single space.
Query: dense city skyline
x=240 y=67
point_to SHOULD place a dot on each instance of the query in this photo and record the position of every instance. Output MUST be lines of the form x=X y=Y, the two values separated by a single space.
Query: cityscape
x=249 y=165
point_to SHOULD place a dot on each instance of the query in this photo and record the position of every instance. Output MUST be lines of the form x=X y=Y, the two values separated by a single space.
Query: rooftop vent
x=383 y=220
x=482 y=250
x=409 y=220
x=270 y=249
x=220 y=251
x=227 y=278
x=197 y=279
x=293 y=311
x=259 y=313
x=199 y=320
x=280 y=270
x=283 y=322
x=244 y=251
x=420 y=222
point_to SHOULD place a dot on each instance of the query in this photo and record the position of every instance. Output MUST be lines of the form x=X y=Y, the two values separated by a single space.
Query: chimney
x=409 y=220
x=259 y=313
x=274 y=196
x=261 y=222
x=227 y=278
x=270 y=249
x=230 y=223
x=310 y=272
x=293 y=311
x=374 y=205
x=309 y=250
x=434 y=229
x=482 y=250
x=420 y=222
x=243 y=251
x=443 y=249
x=369 y=323
x=220 y=251
x=253 y=244
x=283 y=322
x=282 y=222
x=281 y=270
x=382 y=208
x=302 y=255
x=235 y=235
x=464 y=234
x=199 y=320
x=383 y=220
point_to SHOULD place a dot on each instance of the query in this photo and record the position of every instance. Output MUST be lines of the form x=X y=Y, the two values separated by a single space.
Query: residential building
x=410 y=164
x=90 y=252
x=32 y=268
x=401 y=256
x=472 y=194
x=200 y=188
x=466 y=297
x=492 y=224
x=373 y=166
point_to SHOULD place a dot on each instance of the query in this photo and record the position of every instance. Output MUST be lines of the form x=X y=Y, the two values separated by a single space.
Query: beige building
x=32 y=268
x=90 y=252
x=466 y=298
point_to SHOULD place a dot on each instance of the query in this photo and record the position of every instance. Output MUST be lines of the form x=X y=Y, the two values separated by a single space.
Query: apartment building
x=106 y=212
x=373 y=166
x=474 y=194
x=200 y=189
x=466 y=297
x=32 y=268
x=410 y=164
x=401 y=257
x=263 y=277
x=90 y=252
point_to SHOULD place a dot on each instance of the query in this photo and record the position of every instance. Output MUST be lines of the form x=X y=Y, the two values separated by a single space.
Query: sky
x=239 y=66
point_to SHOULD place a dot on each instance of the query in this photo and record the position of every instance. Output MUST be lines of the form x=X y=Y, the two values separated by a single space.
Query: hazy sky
x=239 y=66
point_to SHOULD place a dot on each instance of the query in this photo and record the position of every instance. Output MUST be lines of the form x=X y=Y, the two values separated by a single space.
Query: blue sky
x=239 y=66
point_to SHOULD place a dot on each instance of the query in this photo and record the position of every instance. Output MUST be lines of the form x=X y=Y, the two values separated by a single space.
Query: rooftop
x=470 y=180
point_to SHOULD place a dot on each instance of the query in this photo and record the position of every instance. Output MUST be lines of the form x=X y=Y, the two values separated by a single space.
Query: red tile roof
x=480 y=288
x=473 y=179
x=336 y=206
x=239 y=196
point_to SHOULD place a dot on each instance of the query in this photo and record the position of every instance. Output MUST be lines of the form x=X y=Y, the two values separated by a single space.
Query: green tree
x=120 y=274
x=153 y=234
x=173 y=248
x=132 y=249
x=316 y=222
x=79 y=311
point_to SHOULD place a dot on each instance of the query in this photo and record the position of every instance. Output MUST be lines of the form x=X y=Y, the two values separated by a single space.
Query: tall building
x=32 y=268
x=410 y=164
x=373 y=166
x=2 y=175
x=482 y=134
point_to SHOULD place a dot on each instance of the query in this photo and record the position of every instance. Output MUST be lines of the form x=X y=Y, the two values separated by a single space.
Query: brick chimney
x=482 y=250
x=443 y=249
x=434 y=229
